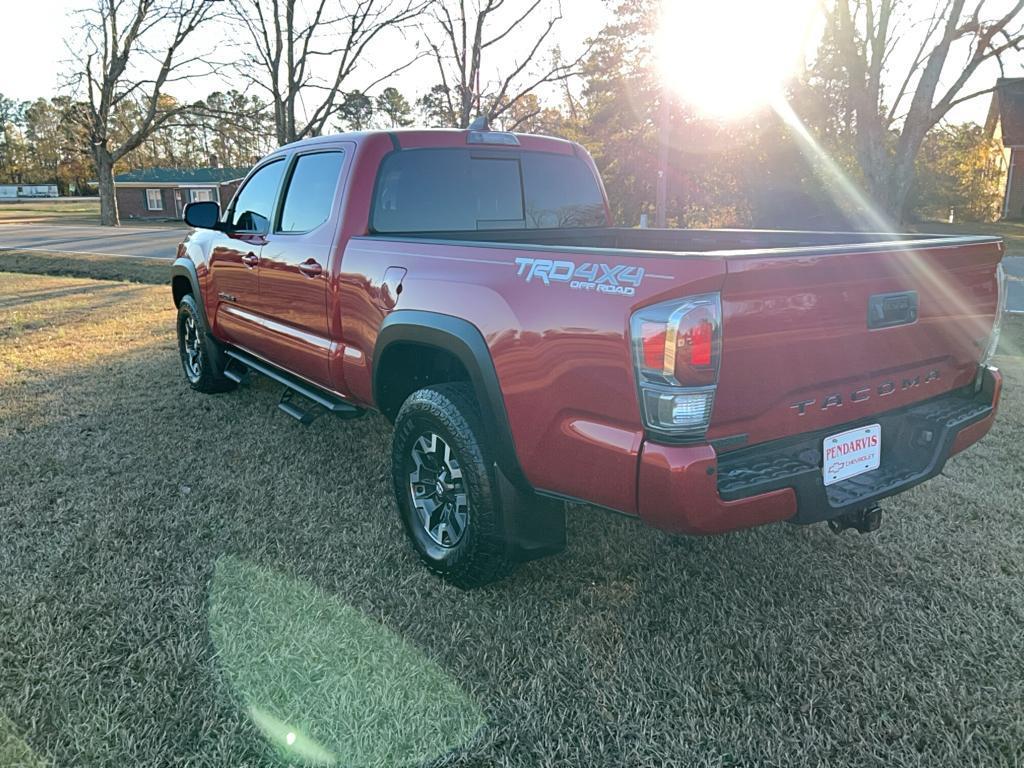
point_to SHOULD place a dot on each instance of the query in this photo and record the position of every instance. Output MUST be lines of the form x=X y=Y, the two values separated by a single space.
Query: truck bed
x=799 y=351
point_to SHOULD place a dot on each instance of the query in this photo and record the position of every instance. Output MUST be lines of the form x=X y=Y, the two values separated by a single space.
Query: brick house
x=1005 y=123
x=163 y=193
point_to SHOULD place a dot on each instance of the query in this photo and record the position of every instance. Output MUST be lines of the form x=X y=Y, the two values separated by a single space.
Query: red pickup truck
x=470 y=286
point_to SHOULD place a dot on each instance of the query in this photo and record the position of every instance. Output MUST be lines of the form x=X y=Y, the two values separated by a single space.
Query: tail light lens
x=997 y=325
x=677 y=348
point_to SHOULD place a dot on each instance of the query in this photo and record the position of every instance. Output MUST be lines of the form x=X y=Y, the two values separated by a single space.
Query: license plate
x=851 y=453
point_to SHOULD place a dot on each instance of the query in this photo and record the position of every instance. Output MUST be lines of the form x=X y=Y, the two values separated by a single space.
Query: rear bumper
x=689 y=489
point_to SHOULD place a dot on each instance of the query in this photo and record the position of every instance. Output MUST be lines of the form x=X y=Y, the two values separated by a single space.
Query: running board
x=326 y=400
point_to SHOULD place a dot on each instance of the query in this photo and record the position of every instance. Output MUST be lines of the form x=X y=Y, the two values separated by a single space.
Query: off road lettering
x=621 y=279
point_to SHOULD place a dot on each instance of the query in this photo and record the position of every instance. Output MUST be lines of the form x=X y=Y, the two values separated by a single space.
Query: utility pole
x=664 y=133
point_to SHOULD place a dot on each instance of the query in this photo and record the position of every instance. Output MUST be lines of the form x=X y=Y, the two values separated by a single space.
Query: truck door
x=294 y=266
x=235 y=257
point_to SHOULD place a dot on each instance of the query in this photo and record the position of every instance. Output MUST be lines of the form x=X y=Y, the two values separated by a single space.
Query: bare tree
x=463 y=38
x=304 y=53
x=127 y=52
x=866 y=34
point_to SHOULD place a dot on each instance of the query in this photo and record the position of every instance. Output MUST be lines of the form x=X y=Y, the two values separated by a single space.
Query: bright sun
x=728 y=57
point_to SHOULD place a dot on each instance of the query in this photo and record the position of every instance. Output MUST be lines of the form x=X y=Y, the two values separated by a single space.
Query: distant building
x=18 y=191
x=163 y=193
x=1005 y=123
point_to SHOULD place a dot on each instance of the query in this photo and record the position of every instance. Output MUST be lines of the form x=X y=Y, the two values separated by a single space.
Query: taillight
x=997 y=324
x=677 y=348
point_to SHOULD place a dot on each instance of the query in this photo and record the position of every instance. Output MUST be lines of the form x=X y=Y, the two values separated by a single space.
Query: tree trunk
x=105 y=179
x=890 y=176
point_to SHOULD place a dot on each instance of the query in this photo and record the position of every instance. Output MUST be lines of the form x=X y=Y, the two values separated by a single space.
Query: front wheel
x=445 y=488
x=196 y=352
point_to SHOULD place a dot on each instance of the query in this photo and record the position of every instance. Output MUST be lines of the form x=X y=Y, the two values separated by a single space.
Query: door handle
x=250 y=259
x=310 y=268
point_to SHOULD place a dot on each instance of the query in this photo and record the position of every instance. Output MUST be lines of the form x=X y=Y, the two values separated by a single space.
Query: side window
x=310 y=194
x=255 y=203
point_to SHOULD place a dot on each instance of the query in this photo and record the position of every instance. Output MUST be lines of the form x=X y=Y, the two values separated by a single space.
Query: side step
x=288 y=405
x=239 y=376
x=326 y=400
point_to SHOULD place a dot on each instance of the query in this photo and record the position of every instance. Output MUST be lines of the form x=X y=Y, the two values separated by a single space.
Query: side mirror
x=204 y=214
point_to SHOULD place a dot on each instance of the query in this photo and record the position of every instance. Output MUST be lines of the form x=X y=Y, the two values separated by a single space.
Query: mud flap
x=534 y=526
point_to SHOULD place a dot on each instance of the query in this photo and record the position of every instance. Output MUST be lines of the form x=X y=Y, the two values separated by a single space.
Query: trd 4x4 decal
x=589 y=276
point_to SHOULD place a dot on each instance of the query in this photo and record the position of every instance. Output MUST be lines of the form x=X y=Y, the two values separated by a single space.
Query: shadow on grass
x=189 y=578
x=115 y=290
x=130 y=269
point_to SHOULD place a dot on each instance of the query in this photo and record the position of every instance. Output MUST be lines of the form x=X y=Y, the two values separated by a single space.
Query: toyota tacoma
x=471 y=287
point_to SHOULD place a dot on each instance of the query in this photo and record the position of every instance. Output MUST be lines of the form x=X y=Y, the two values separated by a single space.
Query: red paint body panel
x=794 y=330
x=678 y=493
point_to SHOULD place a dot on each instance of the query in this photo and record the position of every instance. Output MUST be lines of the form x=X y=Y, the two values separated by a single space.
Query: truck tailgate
x=799 y=350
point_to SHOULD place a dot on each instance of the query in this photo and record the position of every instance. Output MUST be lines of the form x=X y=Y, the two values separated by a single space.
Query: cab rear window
x=447 y=190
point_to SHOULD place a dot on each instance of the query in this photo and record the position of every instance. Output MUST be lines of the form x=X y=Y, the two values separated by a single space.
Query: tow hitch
x=862 y=520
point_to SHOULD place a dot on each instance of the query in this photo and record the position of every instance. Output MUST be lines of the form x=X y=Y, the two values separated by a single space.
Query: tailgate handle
x=888 y=309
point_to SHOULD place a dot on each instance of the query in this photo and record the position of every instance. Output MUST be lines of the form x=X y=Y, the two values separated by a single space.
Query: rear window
x=439 y=190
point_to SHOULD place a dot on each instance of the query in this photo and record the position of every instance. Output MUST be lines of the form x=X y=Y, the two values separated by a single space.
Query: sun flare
x=729 y=57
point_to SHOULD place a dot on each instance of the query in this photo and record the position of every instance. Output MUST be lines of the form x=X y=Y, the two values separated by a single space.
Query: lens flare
x=729 y=57
x=869 y=218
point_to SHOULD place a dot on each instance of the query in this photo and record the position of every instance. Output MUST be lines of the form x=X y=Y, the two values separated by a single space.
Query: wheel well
x=180 y=287
x=408 y=366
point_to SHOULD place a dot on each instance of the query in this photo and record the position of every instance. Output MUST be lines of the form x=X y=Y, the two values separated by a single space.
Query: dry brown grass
x=175 y=568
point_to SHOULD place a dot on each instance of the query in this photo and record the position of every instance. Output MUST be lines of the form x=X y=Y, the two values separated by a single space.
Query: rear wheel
x=445 y=488
x=197 y=351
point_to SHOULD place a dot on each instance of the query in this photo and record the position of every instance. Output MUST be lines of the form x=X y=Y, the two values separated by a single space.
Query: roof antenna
x=480 y=124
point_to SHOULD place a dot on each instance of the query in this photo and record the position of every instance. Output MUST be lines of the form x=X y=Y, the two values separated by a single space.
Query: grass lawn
x=51 y=211
x=199 y=580
x=65 y=211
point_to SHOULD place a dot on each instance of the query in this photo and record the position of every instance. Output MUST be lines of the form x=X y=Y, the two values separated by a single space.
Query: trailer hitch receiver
x=861 y=520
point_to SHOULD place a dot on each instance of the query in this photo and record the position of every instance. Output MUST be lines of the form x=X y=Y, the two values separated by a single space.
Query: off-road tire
x=450 y=411
x=198 y=352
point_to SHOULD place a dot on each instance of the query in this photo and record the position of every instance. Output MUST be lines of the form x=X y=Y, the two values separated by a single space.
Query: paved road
x=145 y=242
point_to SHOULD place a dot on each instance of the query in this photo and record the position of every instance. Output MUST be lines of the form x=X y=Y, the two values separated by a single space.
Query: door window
x=310 y=195
x=254 y=205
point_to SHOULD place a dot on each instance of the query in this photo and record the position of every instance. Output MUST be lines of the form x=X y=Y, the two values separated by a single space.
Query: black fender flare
x=185 y=267
x=463 y=340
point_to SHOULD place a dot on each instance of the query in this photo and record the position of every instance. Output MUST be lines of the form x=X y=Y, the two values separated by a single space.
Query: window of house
x=154 y=200
x=201 y=196
x=310 y=195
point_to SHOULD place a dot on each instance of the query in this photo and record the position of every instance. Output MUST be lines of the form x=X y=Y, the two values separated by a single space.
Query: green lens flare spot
x=325 y=684
x=14 y=750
